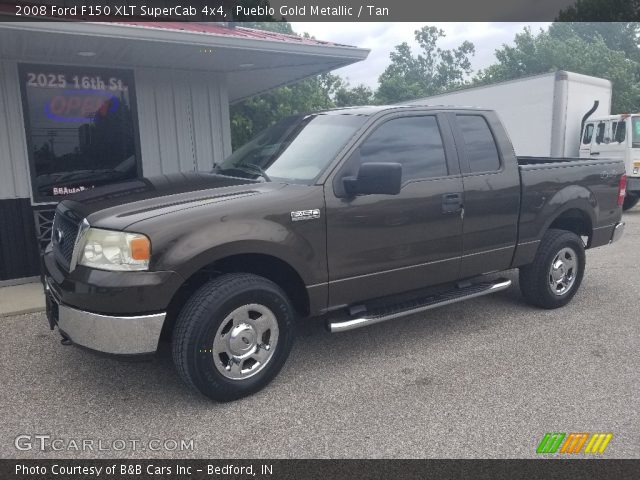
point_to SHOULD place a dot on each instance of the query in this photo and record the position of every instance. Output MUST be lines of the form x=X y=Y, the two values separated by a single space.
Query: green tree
x=319 y=92
x=570 y=47
x=601 y=11
x=432 y=71
x=347 y=96
x=621 y=36
x=254 y=114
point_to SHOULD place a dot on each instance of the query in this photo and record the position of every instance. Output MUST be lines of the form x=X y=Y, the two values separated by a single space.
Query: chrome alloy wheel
x=563 y=271
x=245 y=341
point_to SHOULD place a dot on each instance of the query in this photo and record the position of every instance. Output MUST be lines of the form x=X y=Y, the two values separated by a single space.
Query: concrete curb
x=21 y=299
x=21 y=312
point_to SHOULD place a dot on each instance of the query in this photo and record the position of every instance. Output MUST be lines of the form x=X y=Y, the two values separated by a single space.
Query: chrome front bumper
x=618 y=230
x=104 y=333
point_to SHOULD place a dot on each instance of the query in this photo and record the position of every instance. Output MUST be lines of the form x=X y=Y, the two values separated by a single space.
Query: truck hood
x=119 y=205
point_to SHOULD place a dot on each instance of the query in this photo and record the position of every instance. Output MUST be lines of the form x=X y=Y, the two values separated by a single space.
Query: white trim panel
x=14 y=163
x=183 y=118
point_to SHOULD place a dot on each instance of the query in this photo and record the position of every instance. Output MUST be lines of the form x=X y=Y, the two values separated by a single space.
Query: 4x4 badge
x=305 y=215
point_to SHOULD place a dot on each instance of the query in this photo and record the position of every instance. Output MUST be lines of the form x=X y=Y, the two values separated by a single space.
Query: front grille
x=63 y=235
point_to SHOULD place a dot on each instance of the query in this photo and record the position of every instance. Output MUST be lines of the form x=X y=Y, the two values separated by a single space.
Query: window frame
x=127 y=74
x=462 y=147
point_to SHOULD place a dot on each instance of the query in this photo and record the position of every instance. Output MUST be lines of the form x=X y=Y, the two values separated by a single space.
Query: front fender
x=299 y=247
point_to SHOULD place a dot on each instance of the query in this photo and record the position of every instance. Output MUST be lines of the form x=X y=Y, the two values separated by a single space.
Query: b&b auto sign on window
x=80 y=128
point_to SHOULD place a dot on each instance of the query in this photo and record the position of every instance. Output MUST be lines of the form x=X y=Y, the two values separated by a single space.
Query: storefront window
x=80 y=128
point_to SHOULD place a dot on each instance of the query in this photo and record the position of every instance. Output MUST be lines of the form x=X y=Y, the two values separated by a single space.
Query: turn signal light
x=140 y=248
x=622 y=189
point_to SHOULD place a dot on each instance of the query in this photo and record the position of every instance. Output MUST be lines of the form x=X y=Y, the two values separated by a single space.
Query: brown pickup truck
x=356 y=216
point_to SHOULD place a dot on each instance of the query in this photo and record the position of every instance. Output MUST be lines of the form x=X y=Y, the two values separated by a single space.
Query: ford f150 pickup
x=356 y=216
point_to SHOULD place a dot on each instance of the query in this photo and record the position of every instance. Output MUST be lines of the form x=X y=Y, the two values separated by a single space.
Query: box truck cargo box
x=543 y=114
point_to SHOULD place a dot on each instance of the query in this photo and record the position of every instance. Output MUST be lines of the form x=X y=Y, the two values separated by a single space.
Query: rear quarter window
x=480 y=146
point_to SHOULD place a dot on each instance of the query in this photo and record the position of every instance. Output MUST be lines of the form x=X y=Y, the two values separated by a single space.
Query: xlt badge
x=298 y=215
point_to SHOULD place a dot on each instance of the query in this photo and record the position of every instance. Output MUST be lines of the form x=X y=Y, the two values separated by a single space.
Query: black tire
x=535 y=279
x=630 y=201
x=198 y=325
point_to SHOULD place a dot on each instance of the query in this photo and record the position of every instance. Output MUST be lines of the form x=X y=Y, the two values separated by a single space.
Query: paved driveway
x=484 y=378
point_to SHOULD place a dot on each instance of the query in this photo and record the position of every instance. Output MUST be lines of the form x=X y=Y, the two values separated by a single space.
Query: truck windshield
x=296 y=149
x=635 y=133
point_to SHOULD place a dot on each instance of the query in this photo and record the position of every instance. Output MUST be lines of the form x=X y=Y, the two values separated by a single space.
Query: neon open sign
x=80 y=105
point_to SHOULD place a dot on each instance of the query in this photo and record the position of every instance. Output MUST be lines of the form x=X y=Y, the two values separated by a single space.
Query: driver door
x=384 y=244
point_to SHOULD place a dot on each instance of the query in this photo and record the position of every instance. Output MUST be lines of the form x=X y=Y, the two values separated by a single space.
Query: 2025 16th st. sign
x=80 y=128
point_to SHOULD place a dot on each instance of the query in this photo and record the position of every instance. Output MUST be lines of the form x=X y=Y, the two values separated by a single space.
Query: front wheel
x=630 y=201
x=233 y=336
x=556 y=273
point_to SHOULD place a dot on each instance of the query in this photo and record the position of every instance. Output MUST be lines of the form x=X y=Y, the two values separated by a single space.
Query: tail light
x=622 y=189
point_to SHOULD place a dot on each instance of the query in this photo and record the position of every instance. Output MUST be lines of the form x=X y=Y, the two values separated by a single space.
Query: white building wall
x=183 y=120
x=14 y=169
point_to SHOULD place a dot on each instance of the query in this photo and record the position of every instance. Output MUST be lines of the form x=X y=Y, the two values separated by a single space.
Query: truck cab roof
x=619 y=116
x=370 y=110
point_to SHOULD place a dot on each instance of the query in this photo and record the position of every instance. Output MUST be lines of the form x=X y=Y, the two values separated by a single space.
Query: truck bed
x=553 y=161
x=578 y=187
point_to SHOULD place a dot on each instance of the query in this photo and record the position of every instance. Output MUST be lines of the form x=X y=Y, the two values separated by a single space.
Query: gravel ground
x=483 y=378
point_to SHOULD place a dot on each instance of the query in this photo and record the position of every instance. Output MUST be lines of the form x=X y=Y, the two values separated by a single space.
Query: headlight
x=111 y=250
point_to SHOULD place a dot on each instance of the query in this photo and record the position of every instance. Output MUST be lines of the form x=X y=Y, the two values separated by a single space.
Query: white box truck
x=616 y=136
x=543 y=114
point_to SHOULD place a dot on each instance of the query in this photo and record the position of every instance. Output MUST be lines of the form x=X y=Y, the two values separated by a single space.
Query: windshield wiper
x=246 y=168
x=253 y=168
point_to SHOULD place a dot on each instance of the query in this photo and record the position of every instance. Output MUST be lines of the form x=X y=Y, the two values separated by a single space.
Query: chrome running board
x=419 y=305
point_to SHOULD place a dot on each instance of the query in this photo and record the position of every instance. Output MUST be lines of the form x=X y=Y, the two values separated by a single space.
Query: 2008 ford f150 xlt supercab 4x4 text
x=358 y=215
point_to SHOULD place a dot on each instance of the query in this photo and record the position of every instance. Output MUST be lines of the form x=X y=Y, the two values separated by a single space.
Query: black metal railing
x=43 y=217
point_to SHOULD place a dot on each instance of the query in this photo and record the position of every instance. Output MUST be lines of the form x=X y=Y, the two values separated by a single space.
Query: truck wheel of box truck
x=556 y=273
x=233 y=336
x=630 y=201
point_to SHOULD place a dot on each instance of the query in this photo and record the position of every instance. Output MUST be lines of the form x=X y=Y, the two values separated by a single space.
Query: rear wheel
x=630 y=201
x=233 y=336
x=556 y=273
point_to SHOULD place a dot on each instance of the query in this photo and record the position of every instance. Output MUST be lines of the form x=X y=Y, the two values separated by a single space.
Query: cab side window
x=588 y=133
x=619 y=131
x=414 y=142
